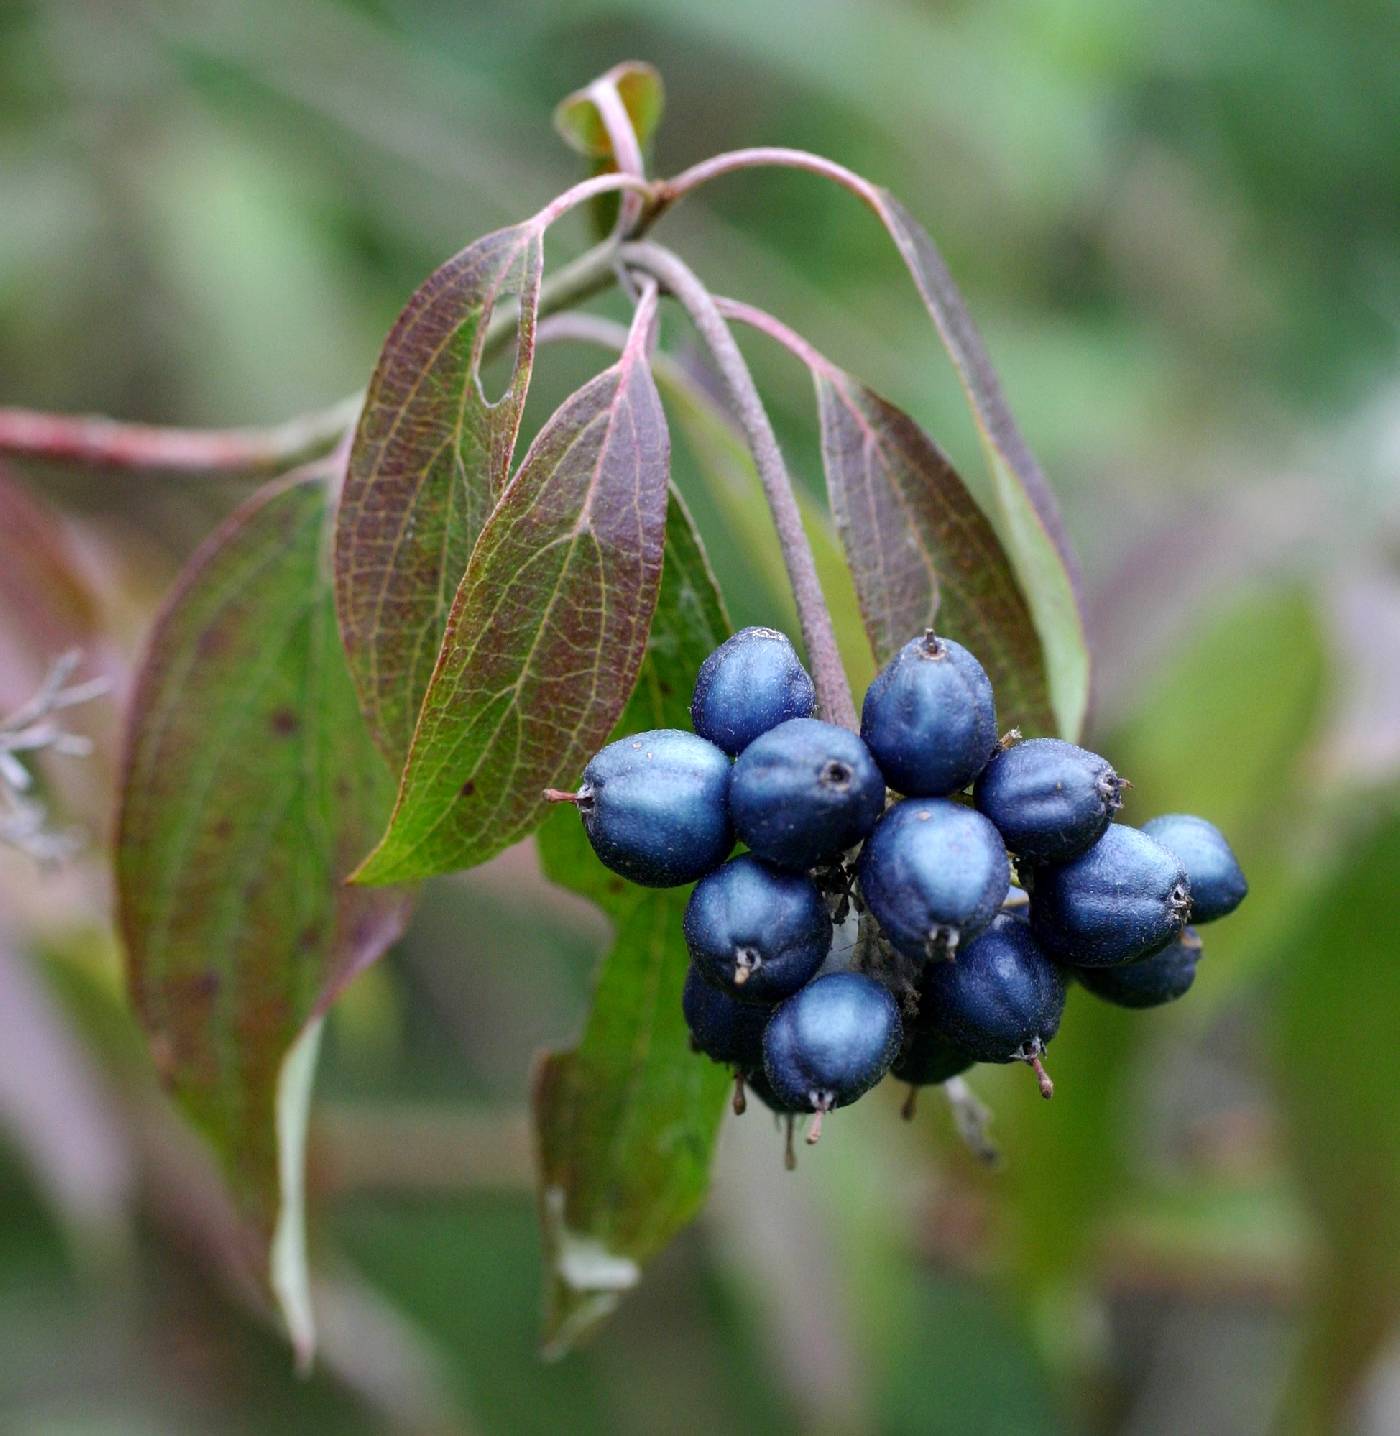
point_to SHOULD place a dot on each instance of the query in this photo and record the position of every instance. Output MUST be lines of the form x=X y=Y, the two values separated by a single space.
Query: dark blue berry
x=1001 y=1001
x=929 y=1058
x=1212 y=870
x=804 y=792
x=756 y=1080
x=756 y=930
x=655 y=807
x=1049 y=799
x=1150 y=981
x=1124 y=898
x=934 y=874
x=722 y=1027
x=929 y=718
x=831 y=1042
x=749 y=684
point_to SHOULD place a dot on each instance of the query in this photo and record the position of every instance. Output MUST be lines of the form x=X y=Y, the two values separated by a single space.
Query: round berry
x=929 y=718
x=831 y=1042
x=749 y=684
x=804 y=792
x=1124 y=898
x=934 y=874
x=929 y=1058
x=721 y=1026
x=655 y=807
x=1049 y=799
x=1000 y=1001
x=1150 y=981
x=1212 y=870
x=756 y=930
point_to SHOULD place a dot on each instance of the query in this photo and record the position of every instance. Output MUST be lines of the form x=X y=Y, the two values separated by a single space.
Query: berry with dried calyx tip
x=804 y=792
x=1123 y=898
x=928 y=1059
x=1049 y=799
x=749 y=684
x=757 y=931
x=722 y=1028
x=1001 y=1001
x=934 y=873
x=1150 y=981
x=831 y=1043
x=655 y=807
x=929 y=718
x=1213 y=872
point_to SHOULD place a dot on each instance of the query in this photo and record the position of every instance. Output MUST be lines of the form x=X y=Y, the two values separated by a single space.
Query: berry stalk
x=833 y=690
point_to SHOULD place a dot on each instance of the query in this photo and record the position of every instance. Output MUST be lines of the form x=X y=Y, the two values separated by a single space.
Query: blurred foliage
x=1176 y=226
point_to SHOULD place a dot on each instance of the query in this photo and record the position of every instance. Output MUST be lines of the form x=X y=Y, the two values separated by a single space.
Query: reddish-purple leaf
x=251 y=788
x=920 y=549
x=547 y=630
x=430 y=460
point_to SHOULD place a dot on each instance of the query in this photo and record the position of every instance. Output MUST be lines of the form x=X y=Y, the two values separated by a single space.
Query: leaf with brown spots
x=626 y=1121
x=547 y=631
x=921 y=550
x=430 y=459
x=251 y=787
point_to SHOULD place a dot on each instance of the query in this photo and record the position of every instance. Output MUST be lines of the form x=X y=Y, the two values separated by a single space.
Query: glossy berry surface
x=1151 y=981
x=1050 y=800
x=749 y=684
x=1124 y=898
x=758 y=931
x=929 y=1058
x=1001 y=1000
x=1213 y=872
x=929 y=718
x=804 y=792
x=722 y=1027
x=934 y=874
x=655 y=807
x=831 y=1042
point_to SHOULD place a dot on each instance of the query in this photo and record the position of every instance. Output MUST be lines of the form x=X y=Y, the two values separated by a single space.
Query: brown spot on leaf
x=284 y=722
x=468 y=788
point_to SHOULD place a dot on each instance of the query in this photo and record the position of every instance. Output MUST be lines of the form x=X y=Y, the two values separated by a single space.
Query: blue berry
x=1049 y=799
x=1001 y=1001
x=929 y=718
x=804 y=792
x=722 y=1027
x=749 y=684
x=934 y=874
x=1150 y=981
x=831 y=1043
x=1212 y=870
x=1124 y=898
x=655 y=807
x=929 y=1058
x=757 y=931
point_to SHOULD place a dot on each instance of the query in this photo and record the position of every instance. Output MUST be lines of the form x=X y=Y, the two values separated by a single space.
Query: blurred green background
x=1177 y=226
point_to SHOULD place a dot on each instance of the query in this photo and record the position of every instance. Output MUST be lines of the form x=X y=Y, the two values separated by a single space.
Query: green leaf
x=251 y=787
x=626 y=1121
x=430 y=459
x=919 y=547
x=1335 y=1005
x=1033 y=530
x=580 y=124
x=547 y=631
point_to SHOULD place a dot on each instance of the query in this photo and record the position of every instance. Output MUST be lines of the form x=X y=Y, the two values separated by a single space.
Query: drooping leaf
x=547 y=631
x=921 y=550
x=430 y=459
x=1032 y=527
x=251 y=788
x=626 y=1121
x=638 y=86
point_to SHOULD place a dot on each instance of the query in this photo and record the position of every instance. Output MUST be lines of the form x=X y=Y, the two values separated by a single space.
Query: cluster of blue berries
x=969 y=876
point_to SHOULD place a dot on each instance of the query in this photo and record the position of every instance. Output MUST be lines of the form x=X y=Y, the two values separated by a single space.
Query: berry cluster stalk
x=828 y=674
